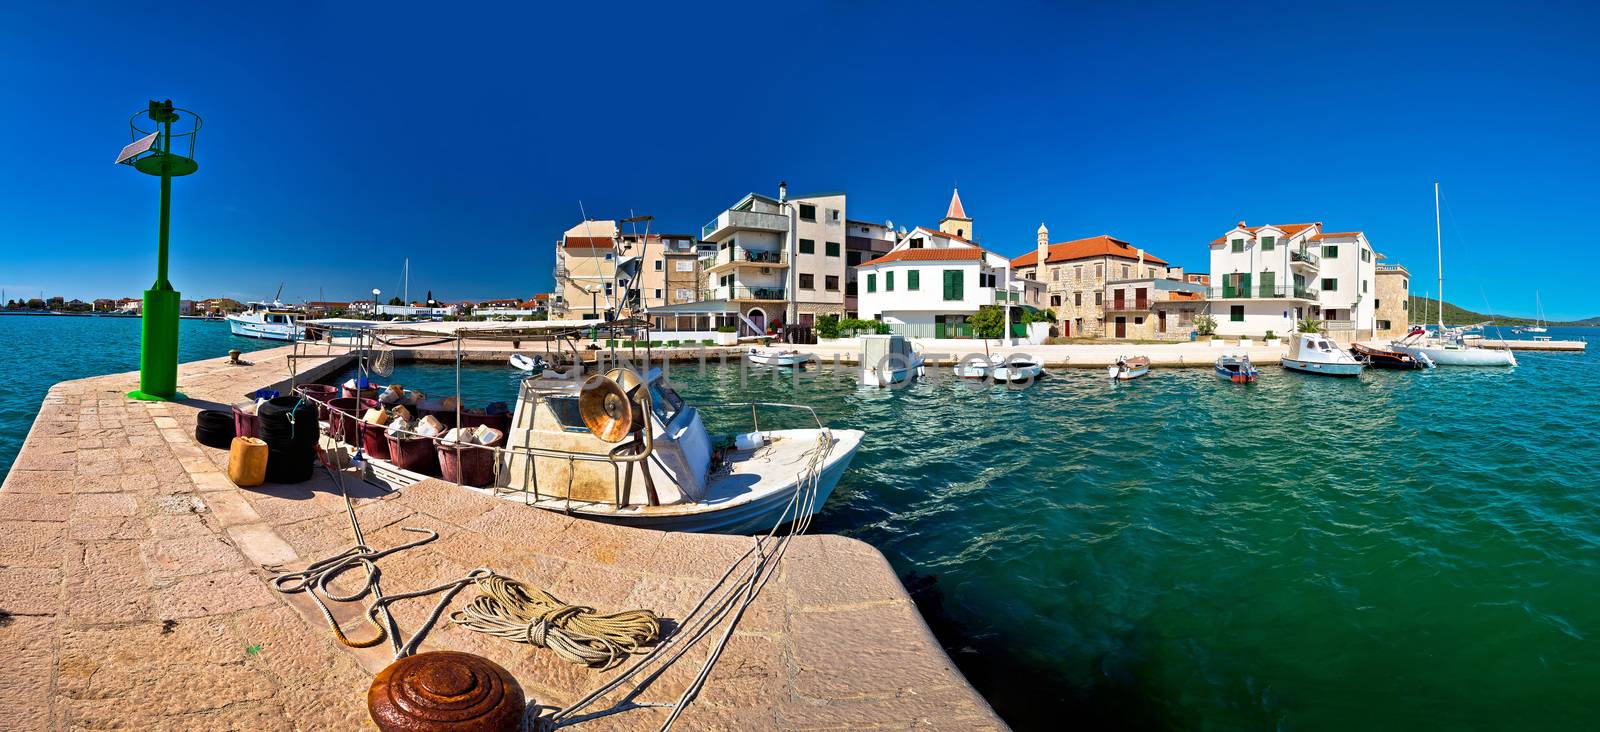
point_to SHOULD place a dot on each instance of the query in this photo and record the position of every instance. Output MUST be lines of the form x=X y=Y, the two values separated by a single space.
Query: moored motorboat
x=1313 y=353
x=272 y=321
x=531 y=364
x=1236 y=369
x=776 y=357
x=1127 y=369
x=1013 y=370
x=1386 y=359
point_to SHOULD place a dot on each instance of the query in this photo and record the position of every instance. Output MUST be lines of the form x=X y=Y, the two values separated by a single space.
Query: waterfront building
x=586 y=270
x=1076 y=275
x=323 y=308
x=1152 y=308
x=1271 y=277
x=863 y=241
x=933 y=281
x=1392 y=306
x=771 y=261
x=670 y=269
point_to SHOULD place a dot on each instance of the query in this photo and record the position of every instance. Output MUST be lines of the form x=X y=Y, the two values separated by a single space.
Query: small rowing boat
x=1128 y=369
x=789 y=358
x=1237 y=369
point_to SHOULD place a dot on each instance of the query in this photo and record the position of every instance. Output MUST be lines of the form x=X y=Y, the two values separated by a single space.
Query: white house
x=932 y=281
x=1270 y=277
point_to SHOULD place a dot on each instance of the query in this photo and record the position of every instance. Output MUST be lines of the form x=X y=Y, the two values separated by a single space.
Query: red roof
x=1336 y=235
x=529 y=305
x=588 y=242
x=952 y=254
x=956 y=211
x=1289 y=229
x=1094 y=246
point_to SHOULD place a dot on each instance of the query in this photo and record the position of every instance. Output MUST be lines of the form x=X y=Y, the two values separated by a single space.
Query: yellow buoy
x=247 y=462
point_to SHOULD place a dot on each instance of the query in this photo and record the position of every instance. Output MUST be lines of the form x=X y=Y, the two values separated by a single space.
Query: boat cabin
x=556 y=454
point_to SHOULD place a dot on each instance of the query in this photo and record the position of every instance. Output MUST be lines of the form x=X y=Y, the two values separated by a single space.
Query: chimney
x=1044 y=250
x=1241 y=224
x=783 y=192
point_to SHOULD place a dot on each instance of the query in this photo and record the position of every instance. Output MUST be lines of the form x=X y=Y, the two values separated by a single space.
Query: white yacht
x=271 y=321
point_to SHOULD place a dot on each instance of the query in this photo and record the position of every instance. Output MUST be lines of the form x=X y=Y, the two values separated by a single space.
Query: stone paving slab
x=134 y=590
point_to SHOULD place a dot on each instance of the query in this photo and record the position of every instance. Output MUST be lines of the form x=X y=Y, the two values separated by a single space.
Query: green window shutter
x=1236 y=313
x=1269 y=284
x=1330 y=251
x=953 y=285
x=1330 y=284
x=1238 y=245
x=888 y=282
x=832 y=248
x=808 y=246
x=1268 y=243
x=913 y=280
x=872 y=283
x=1244 y=284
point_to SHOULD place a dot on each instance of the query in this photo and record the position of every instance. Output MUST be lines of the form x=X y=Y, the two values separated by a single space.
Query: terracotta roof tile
x=1094 y=246
x=1289 y=229
x=588 y=242
x=951 y=254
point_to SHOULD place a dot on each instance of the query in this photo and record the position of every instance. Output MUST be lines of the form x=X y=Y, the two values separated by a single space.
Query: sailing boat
x=1448 y=347
x=1538 y=318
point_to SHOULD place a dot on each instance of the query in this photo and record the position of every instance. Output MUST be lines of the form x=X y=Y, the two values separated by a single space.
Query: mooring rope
x=509 y=609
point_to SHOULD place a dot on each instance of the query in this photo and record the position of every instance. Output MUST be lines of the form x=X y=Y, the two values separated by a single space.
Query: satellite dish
x=606 y=409
x=888 y=224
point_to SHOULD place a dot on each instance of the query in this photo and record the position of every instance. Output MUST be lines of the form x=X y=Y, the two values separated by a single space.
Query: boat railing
x=755 y=407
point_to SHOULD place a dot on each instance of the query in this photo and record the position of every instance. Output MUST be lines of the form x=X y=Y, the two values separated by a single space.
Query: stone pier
x=134 y=590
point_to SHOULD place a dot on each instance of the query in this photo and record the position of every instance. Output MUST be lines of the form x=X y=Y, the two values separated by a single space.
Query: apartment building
x=1076 y=275
x=670 y=268
x=776 y=261
x=586 y=270
x=863 y=242
x=1271 y=277
x=1392 y=305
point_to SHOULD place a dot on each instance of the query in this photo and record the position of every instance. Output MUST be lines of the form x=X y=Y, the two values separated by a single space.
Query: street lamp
x=375 y=293
x=151 y=153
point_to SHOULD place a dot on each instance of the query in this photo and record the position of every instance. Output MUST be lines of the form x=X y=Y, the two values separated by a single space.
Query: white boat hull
x=778 y=359
x=889 y=375
x=265 y=331
x=1017 y=372
x=1442 y=356
x=1324 y=369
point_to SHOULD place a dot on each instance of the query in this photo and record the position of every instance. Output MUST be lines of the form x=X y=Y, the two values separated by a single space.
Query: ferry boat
x=1313 y=353
x=271 y=321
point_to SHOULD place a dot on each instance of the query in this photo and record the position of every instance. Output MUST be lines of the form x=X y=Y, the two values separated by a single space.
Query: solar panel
x=137 y=147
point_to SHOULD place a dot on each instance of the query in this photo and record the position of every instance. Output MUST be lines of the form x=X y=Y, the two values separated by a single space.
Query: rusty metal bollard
x=445 y=690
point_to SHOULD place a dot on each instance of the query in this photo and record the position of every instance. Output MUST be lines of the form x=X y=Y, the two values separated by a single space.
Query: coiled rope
x=509 y=609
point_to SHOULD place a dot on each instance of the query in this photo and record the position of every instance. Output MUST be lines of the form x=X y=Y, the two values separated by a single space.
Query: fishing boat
x=1236 y=369
x=973 y=368
x=575 y=448
x=1385 y=359
x=271 y=321
x=1313 y=353
x=1449 y=346
x=623 y=448
x=777 y=357
x=1128 y=369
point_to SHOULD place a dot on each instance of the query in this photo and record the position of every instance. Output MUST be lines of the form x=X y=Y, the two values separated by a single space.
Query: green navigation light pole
x=151 y=152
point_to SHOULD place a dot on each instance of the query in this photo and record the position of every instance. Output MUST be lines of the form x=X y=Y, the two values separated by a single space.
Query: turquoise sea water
x=1402 y=551
x=37 y=351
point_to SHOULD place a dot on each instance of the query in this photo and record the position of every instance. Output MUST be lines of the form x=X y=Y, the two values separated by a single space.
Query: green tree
x=828 y=326
x=988 y=322
x=396 y=301
x=1205 y=324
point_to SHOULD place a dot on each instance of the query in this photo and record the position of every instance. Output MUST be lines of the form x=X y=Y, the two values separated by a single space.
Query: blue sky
x=340 y=139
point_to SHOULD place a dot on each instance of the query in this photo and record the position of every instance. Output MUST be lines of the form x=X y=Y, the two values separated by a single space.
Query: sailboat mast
x=405 y=278
x=1438 y=241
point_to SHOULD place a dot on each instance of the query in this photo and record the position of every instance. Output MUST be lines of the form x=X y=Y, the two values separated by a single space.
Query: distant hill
x=1461 y=316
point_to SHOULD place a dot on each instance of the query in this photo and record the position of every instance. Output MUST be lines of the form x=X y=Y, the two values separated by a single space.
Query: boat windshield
x=665 y=401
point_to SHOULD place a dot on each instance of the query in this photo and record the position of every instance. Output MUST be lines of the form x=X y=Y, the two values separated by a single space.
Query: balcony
x=738 y=292
x=1263 y=292
x=1304 y=256
x=728 y=222
x=1137 y=305
x=740 y=256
